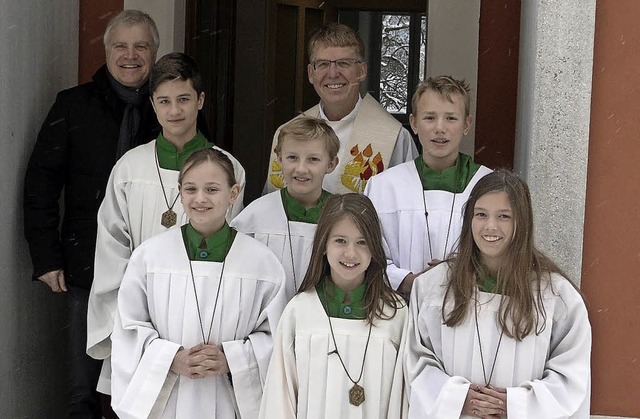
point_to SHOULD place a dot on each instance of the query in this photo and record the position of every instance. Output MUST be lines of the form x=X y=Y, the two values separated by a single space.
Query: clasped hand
x=485 y=402
x=200 y=361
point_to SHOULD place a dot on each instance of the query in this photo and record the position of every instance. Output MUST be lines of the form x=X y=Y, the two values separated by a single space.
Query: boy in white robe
x=420 y=202
x=285 y=220
x=142 y=193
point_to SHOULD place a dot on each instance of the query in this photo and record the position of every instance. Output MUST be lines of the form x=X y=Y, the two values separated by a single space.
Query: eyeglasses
x=342 y=64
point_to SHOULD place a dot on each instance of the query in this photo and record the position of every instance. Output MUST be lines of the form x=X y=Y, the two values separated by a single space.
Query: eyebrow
x=500 y=210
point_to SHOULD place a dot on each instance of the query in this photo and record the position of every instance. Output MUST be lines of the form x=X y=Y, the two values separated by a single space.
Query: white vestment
x=305 y=382
x=265 y=219
x=368 y=124
x=158 y=313
x=546 y=376
x=400 y=202
x=129 y=214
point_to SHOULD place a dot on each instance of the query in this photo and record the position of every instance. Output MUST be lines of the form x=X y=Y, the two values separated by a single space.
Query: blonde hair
x=305 y=128
x=335 y=34
x=446 y=86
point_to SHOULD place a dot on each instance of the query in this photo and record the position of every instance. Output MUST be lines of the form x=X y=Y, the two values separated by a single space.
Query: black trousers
x=84 y=371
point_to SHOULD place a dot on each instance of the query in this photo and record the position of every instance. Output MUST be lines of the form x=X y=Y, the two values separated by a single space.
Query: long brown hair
x=522 y=272
x=360 y=210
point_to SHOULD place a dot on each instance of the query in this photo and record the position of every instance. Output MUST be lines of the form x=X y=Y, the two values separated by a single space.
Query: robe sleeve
x=113 y=250
x=396 y=275
x=399 y=399
x=248 y=359
x=564 y=389
x=405 y=149
x=280 y=397
x=433 y=394
x=141 y=379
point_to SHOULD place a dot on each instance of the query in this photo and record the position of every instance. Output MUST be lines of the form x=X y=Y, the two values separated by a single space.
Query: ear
x=333 y=163
x=467 y=124
x=153 y=105
x=235 y=191
x=412 y=122
x=278 y=156
x=363 y=68
x=200 y=100
x=310 y=73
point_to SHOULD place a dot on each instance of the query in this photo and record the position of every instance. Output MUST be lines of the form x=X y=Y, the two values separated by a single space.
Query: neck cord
x=426 y=218
x=293 y=268
x=356 y=393
x=487 y=381
x=195 y=293
x=169 y=217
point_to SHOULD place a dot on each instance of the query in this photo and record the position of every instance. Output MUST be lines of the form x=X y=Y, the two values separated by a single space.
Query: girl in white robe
x=193 y=333
x=498 y=330
x=338 y=349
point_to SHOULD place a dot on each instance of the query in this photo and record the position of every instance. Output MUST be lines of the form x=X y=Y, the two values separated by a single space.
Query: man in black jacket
x=88 y=128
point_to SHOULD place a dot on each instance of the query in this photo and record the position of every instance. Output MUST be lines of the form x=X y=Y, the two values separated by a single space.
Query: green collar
x=213 y=248
x=489 y=283
x=296 y=212
x=335 y=297
x=169 y=158
x=452 y=179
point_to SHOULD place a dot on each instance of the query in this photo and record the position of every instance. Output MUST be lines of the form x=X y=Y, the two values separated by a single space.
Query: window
x=396 y=44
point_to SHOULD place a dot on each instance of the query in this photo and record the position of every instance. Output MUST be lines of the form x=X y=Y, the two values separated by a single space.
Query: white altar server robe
x=546 y=376
x=158 y=314
x=265 y=220
x=305 y=382
x=400 y=202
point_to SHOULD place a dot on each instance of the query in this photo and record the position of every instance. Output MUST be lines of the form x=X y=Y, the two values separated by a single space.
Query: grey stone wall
x=39 y=50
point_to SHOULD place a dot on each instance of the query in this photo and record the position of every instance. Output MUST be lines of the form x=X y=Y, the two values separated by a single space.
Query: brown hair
x=304 y=128
x=335 y=34
x=212 y=155
x=360 y=210
x=175 y=66
x=522 y=272
x=446 y=86
x=131 y=17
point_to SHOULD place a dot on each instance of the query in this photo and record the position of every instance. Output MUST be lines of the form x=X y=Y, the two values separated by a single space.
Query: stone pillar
x=552 y=129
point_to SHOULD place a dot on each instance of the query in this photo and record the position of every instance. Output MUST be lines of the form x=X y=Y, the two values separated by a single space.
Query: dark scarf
x=131 y=118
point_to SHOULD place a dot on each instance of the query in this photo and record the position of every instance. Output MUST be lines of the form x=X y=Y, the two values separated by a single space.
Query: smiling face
x=493 y=228
x=338 y=88
x=440 y=125
x=304 y=164
x=348 y=254
x=206 y=195
x=130 y=54
x=176 y=104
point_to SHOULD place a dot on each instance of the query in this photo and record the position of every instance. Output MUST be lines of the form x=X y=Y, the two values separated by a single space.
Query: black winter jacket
x=75 y=150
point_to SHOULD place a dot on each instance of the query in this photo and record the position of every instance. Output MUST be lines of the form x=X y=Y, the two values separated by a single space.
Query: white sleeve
x=113 y=250
x=280 y=398
x=405 y=149
x=433 y=394
x=564 y=389
x=248 y=359
x=396 y=275
x=141 y=378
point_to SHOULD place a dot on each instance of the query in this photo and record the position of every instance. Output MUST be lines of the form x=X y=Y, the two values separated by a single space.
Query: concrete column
x=552 y=129
x=452 y=47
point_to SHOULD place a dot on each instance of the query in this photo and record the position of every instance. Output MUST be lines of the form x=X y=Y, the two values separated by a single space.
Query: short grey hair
x=130 y=17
